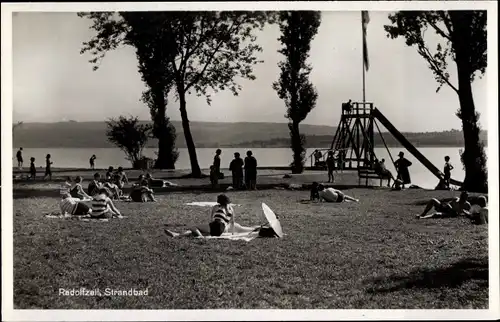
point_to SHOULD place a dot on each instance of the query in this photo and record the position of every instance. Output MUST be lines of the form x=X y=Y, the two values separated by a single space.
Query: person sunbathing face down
x=333 y=195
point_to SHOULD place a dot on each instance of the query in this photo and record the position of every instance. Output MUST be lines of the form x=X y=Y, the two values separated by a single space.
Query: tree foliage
x=463 y=39
x=129 y=135
x=298 y=28
x=200 y=51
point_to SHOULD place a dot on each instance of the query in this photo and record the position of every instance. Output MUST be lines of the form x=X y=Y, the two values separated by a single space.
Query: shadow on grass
x=452 y=276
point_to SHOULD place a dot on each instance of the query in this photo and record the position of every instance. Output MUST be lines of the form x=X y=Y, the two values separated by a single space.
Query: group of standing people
x=244 y=172
x=32 y=172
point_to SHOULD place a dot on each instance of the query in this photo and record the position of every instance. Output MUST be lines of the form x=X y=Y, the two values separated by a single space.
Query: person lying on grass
x=141 y=191
x=103 y=207
x=73 y=207
x=329 y=194
x=221 y=221
x=77 y=190
x=453 y=208
x=478 y=214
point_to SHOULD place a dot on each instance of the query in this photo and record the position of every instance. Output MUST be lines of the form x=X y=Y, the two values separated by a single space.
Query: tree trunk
x=297 y=148
x=195 y=167
x=164 y=159
x=473 y=157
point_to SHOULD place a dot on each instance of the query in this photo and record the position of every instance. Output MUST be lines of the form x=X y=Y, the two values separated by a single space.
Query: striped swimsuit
x=68 y=205
x=100 y=206
x=222 y=214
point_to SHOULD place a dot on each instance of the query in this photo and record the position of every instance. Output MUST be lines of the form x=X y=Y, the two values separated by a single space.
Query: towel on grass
x=206 y=204
x=59 y=215
x=241 y=236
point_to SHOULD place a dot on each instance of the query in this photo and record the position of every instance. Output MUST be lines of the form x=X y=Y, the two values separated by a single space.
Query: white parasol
x=272 y=220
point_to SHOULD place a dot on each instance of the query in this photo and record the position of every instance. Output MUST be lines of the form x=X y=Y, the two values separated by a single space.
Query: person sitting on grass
x=331 y=194
x=120 y=178
x=94 y=185
x=221 y=221
x=453 y=208
x=77 y=190
x=65 y=187
x=141 y=191
x=103 y=207
x=73 y=207
x=478 y=214
x=109 y=173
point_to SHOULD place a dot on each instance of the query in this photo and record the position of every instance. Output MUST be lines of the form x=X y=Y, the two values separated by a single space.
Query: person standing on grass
x=402 y=165
x=19 y=156
x=32 y=169
x=48 y=168
x=92 y=161
x=330 y=165
x=221 y=221
x=236 y=168
x=251 y=171
x=447 y=170
x=73 y=207
x=216 y=163
x=103 y=206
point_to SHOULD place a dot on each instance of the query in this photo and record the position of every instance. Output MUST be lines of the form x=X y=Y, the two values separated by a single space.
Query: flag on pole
x=365 y=19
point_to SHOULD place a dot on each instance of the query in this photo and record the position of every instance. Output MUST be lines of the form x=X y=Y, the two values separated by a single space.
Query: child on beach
x=103 y=207
x=214 y=177
x=32 y=169
x=447 y=170
x=48 y=170
x=221 y=221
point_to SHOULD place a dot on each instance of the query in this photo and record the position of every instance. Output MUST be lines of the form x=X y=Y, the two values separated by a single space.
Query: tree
x=298 y=28
x=141 y=31
x=463 y=40
x=130 y=136
x=201 y=51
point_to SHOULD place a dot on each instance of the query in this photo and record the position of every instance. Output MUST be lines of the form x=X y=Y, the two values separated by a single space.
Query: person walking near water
x=19 y=156
x=92 y=161
x=48 y=169
x=402 y=165
x=236 y=168
x=250 y=171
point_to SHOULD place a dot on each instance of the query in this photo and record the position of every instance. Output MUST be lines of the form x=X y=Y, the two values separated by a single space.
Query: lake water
x=79 y=158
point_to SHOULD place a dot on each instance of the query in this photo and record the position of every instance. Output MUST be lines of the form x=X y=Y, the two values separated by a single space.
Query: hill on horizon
x=209 y=135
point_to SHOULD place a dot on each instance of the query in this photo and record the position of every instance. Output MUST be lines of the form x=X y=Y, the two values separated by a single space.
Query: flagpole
x=363 y=58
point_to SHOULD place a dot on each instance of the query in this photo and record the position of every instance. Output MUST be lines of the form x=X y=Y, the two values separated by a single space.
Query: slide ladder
x=410 y=147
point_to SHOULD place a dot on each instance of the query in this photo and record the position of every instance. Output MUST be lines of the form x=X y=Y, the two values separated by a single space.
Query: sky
x=53 y=82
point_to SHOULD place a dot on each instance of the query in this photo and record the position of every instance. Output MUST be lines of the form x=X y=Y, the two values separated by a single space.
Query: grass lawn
x=374 y=254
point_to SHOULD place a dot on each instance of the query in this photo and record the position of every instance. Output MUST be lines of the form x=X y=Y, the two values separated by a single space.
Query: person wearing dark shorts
x=453 y=208
x=48 y=167
x=73 y=207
